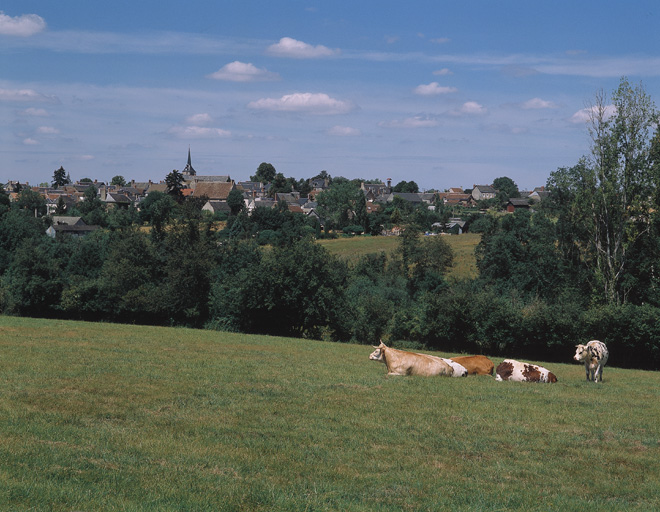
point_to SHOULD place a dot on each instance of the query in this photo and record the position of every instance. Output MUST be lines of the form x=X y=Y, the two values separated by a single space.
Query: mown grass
x=116 y=417
x=352 y=248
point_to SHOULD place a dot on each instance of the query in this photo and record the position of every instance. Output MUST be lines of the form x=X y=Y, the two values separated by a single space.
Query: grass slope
x=117 y=417
x=352 y=248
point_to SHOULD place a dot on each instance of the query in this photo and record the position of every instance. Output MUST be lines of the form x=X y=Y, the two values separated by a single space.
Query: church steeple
x=189 y=171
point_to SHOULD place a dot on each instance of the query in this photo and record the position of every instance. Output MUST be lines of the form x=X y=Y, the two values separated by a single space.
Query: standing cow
x=594 y=355
x=400 y=362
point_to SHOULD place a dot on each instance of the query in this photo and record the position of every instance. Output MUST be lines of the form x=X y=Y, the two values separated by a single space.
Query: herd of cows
x=594 y=355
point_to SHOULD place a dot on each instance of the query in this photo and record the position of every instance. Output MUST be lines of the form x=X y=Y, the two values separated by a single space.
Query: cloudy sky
x=442 y=93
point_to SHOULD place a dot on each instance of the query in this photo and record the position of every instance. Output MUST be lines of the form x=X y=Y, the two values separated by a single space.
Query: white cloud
x=47 y=130
x=418 y=121
x=440 y=40
x=35 y=112
x=25 y=95
x=30 y=142
x=288 y=47
x=443 y=72
x=344 y=131
x=538 y=103
x=312 y=103
x=198 y=132
x=433 y=89
x=23 y=26
x=199 y=120
x=469 y=108
x=584 y=115
x=243 y=72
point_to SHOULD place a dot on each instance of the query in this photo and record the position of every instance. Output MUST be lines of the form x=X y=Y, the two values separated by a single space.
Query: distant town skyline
x=443 y=94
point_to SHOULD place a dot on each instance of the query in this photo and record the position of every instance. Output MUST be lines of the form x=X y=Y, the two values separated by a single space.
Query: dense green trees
x=606 y=203
x=342 y=205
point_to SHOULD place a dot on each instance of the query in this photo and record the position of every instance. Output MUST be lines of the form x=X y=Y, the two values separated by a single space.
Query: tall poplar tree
x=610 y=191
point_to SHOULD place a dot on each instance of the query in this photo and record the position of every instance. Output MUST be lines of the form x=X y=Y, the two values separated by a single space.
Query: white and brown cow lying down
x=518 y=371
x=594 y=355
x=475 y=365
x=400 y=362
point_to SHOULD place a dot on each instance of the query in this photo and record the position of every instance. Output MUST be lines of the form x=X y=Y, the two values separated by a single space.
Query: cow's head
x=377 y=355
x=581 y=353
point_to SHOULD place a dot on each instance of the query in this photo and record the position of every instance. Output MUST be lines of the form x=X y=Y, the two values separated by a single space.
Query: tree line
x=582 y=265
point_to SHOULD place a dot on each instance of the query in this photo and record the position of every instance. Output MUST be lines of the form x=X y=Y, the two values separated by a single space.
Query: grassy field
x=352 y=248
x=117 y=417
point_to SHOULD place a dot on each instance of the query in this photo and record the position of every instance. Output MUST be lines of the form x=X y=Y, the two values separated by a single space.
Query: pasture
x=119 y=417
x=351 y=248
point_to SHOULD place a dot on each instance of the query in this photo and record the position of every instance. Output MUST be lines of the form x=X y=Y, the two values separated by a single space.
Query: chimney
x=389 y=182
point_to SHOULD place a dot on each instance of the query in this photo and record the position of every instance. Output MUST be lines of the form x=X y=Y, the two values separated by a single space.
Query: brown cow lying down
x=475 y=365
x=523 y=372
x=399 y=362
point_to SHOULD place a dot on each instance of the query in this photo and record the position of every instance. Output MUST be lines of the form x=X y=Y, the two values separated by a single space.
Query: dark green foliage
x=92 y=209
x=631 y=333
x=265 y=173
x=189 y=260
x=31 y=201
x=157 y=209
x=522 y=256
x=353 y=230
x=278 y=225
x=479 y=223
x=507 y=187
x=406 y=187
x=33 y=282
x=374 y=295
x=175 y=184
x=60 y=178
x=297 y=290
x=424 y=260
x=235 y=201
x=342 y=205
x=16 y=226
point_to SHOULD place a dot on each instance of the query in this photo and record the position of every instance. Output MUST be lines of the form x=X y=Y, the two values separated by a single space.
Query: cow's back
x=475 y=365
x=598 y=350
x=400 y=362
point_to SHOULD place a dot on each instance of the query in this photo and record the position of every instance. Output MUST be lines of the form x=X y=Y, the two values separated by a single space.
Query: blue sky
x=442 y=93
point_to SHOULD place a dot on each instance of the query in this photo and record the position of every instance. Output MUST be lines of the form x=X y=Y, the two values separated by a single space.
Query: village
x=215 y=190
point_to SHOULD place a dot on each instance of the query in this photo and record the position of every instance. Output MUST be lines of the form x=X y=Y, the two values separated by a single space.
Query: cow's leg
x=587 y=371
x=599 y=373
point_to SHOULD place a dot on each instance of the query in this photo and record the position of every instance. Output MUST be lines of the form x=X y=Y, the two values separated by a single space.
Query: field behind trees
x=353 y=248
x=123 y=417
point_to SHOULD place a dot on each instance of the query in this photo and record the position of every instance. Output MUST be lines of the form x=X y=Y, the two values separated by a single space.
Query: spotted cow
x=594 y=355
x=518 y=371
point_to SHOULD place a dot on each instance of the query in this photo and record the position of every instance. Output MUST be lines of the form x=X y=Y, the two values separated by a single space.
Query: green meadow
x=352 y=248
x=121 y=417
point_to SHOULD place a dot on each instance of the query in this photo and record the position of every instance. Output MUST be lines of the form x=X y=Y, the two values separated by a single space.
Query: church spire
x=189 y=171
